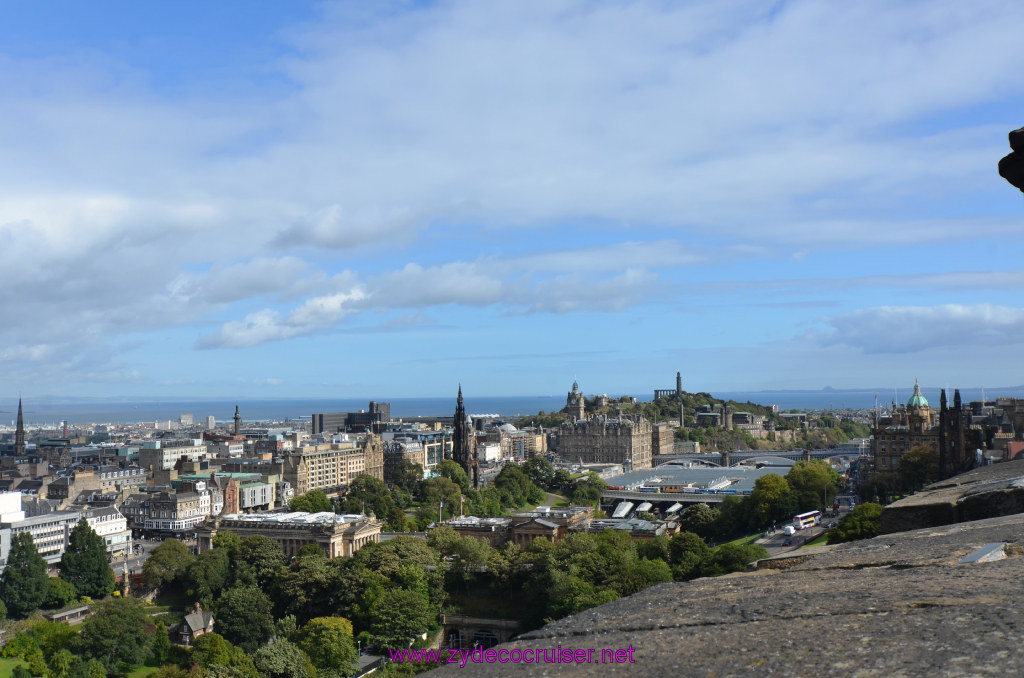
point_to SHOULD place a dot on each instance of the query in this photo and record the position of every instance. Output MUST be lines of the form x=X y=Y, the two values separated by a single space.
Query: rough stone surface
x=985 y=492
x=896 y=605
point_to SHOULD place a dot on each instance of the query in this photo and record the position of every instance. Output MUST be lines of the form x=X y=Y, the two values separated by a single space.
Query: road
x=774 y=543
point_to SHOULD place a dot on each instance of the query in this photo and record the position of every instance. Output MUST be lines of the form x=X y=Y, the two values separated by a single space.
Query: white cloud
x=729 y=128
x=910 y=329
x=314 y=314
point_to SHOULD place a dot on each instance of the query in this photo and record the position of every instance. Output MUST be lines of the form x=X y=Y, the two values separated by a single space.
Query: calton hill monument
x=1011 y=167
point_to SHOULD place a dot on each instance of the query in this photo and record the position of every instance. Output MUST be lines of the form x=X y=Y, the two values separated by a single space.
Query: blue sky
x=349 y=199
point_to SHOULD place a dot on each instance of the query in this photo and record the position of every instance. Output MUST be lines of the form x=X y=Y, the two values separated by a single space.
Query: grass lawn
x=7 y=665
x=141 y=672
x=820 y=540
x=748 y=540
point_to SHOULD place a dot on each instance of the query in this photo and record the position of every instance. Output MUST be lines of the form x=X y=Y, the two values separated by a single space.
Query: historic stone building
x=575 y=405
x=957 y=432
x=324 y=467
x=626 y=440
x=663 y=438
x=905 y=427
x=338 y=536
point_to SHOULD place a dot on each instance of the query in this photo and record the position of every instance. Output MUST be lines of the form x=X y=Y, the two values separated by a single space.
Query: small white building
x=488 y=452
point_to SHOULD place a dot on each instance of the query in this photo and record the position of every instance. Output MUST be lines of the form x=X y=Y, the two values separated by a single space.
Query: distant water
x=135 y=411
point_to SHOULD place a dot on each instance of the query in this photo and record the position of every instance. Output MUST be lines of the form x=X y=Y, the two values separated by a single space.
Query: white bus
x=804 y=520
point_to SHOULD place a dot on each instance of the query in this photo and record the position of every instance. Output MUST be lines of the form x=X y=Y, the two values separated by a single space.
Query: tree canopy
x=814 y=484
x=244 y=617
x=85 y=563
x=401 y=615
x=314 y=501
x=328 y=642
x=115 y=634
x=918 y=466
x=24 y=584
x=167 y=564
x=862 y=522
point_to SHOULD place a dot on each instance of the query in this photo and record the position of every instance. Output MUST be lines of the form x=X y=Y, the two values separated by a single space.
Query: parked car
x=788 y=542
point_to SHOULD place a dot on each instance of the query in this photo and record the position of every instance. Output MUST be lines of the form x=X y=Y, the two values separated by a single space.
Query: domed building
x=949 y=431
x=906 y=426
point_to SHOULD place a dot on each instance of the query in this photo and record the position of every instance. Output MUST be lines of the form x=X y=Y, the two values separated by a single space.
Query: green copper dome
x=917 y=400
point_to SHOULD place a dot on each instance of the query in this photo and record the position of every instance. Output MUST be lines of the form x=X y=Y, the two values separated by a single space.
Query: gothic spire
x=19 y=435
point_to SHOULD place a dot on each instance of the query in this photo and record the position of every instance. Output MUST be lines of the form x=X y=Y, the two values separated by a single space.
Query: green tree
x=61 y=663
x=918 y=466
x=160 y=645
x=863 y=522
x=59 y=593
x=221 y=659
x=399 y=616
x=167 y=564
x=540 y=471
x=244 y=617
x=407 y=476
x=814 y=483
x=85 y=563
x=308 y=588
x=435 y=490
x=314 y=501
x=514 y=484
x=210 y=649
x=283 y=659
x=93 y=669
x=259 y=561
x=562 y=480
x=733 y=517
x=115 y=634
x=328 y=642
x=366 y=494
x=24 y=584
x=396 y=520
x=653 y=549
x=771 y=501
x=687 y=551
x=588 y=489
x=208 y=575
x=228 y=540
x=170 y=671
x=731 y=558
x=450 y=469
x=699 y=519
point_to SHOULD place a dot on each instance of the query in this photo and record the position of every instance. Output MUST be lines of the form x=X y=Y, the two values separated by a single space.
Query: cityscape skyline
x=332 y=200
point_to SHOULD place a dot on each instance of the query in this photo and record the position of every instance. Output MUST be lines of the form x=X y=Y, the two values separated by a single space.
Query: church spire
x=19 y=435
x=462 y=442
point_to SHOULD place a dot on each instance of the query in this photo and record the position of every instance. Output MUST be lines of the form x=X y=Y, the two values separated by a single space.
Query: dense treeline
x=446 y=494
x=305 y=616
x=84 y=571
